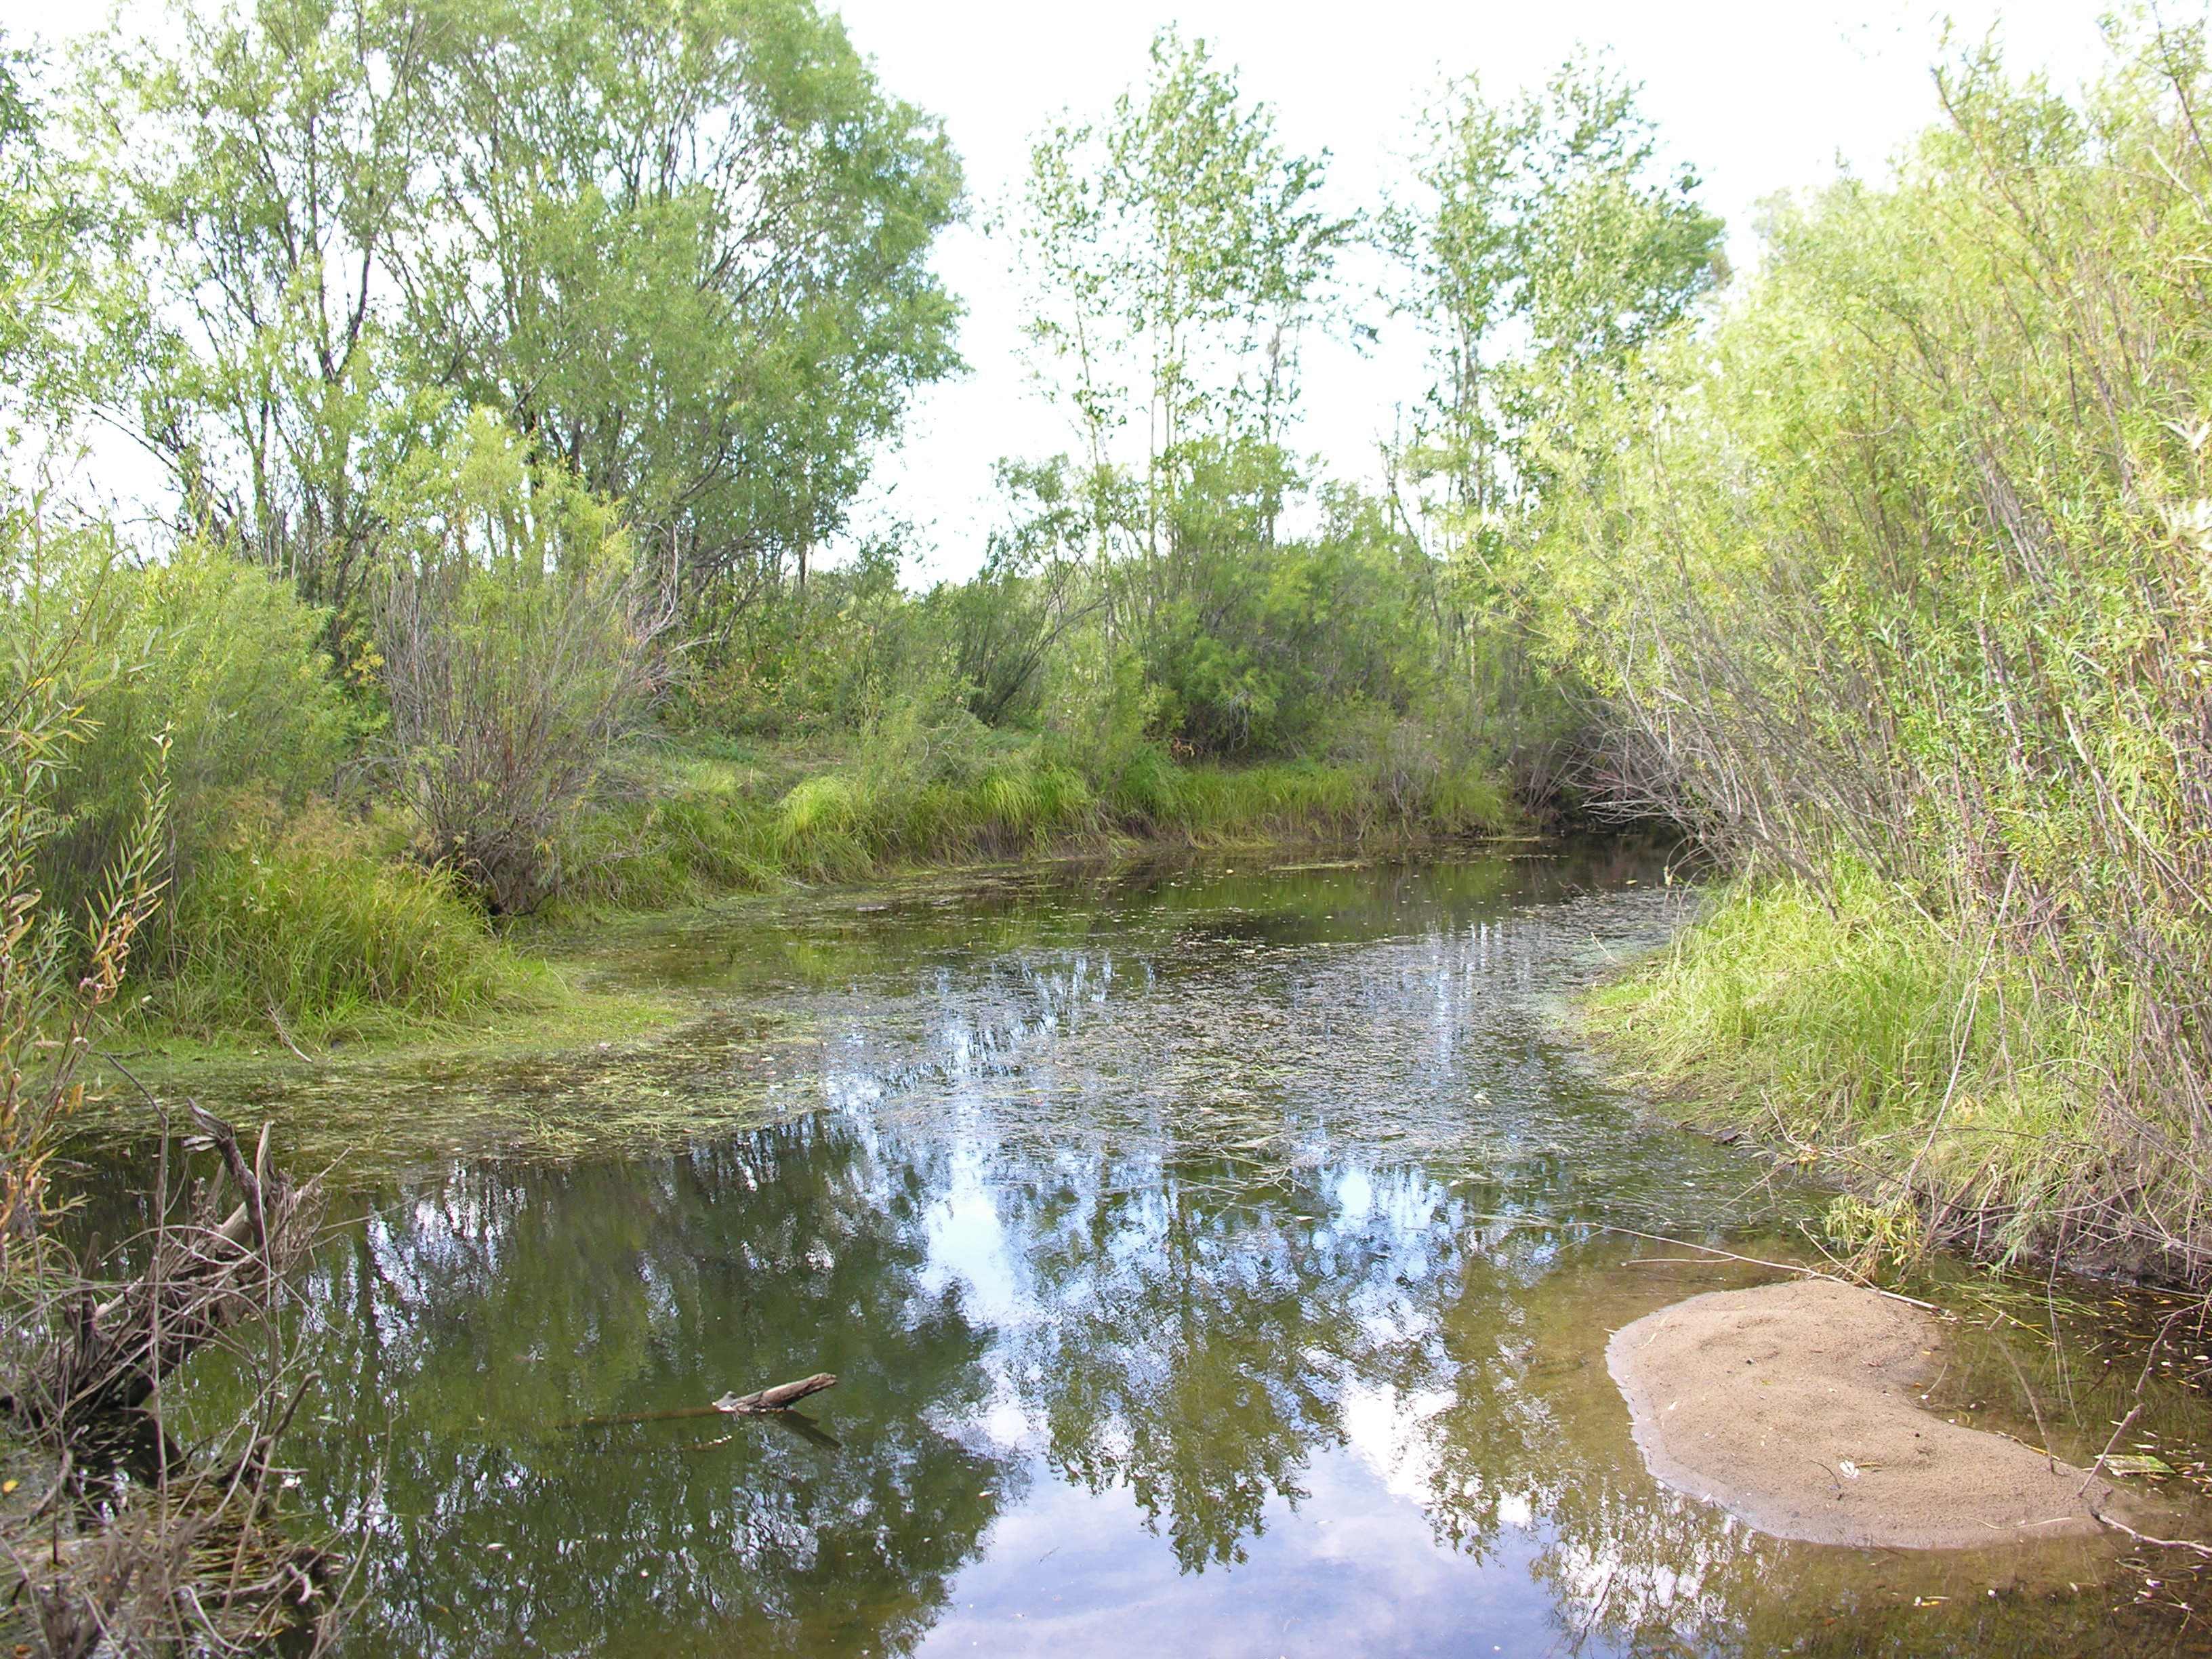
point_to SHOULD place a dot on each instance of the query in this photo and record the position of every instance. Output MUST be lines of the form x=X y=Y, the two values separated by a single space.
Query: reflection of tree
x=1534 y=1432
x=480 y=1309
x=1191 y=1347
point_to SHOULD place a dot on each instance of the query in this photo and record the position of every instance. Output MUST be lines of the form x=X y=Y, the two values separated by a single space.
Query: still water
x=1210 y=1255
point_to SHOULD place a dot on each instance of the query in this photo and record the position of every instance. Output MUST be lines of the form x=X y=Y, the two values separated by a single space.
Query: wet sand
x=1796 y=1407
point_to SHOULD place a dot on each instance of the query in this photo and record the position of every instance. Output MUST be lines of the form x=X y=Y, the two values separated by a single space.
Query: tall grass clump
x=1847 y=1030
x=920 y=788
x=220 y=665
x=1899 y=589
x=314 y=932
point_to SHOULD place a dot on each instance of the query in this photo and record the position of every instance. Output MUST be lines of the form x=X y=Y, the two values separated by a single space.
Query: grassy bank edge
x=1950 y=1098
x=528 y=996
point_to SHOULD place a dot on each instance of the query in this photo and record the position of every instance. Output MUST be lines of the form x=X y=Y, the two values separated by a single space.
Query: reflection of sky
x=1353 y=1566
x=968 y=1244
x=1353 y=1570
x=1388 y=1037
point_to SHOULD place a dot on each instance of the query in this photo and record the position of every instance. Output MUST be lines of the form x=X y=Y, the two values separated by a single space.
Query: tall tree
x=683 y=245
x=263 y=166
x=1176 y=253
x=1546 y=248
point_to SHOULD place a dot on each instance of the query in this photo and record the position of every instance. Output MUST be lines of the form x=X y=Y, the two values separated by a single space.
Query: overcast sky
x=1758 y=97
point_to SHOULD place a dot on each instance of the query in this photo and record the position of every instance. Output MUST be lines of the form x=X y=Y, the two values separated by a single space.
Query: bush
x=227 y=662
x=520 y=646
x=1845 y=1028
x=1901 y=570
x=316 y=929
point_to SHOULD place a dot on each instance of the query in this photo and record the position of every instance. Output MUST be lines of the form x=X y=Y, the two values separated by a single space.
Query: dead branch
x=780 y=1398
x=202 y=1277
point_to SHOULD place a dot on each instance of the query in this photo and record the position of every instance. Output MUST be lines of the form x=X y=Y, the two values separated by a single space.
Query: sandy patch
x=1796 y=1407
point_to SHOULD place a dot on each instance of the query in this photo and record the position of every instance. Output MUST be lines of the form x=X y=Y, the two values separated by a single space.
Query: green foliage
x=920 y=789
x=222 y=663
x=686 y=247
x=1843 y=1028
x=1543 y=251
x=1181 y=243
x=1007 y=625
x=534 y=352
x=1875 y=581
x=51 y=996
x=810 y=658
x=1255 y=646
x=519 y=645
x=315 y=932
x=43 y=219
x=1176 y=253
x=260 y=168
x=1545 y=255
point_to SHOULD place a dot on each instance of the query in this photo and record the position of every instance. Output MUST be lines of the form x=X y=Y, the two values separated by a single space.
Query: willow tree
x=680 y=247
x=684 y=247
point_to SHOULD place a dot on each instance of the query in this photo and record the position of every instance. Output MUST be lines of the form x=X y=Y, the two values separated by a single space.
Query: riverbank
x=327 y=931
x=1953 y=1101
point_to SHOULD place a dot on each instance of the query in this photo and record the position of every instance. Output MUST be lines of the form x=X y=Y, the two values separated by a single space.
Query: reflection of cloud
x=1388 y=1431
x=967 y=1243
x=1353 y=1569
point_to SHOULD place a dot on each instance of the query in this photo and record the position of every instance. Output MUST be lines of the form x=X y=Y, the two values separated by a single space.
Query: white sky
x=1759 y=97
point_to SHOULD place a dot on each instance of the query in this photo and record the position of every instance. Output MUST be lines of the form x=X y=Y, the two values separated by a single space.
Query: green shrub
x=225 y=660
x=521 y=648
x=1900 y=568
x=318 y=931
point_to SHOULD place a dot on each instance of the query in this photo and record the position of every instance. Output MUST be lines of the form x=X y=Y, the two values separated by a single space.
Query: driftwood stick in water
x=782 y=1397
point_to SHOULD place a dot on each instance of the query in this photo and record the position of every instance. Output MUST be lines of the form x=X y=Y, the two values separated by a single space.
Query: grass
x=317 y=934
x=694 y=825
x=323 y=932
x=1852 y=1034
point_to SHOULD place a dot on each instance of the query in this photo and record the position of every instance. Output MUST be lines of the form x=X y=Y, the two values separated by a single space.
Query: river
x=1216 y=1258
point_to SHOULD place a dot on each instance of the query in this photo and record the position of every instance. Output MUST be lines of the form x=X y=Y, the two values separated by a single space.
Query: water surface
x=1212 y=1256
